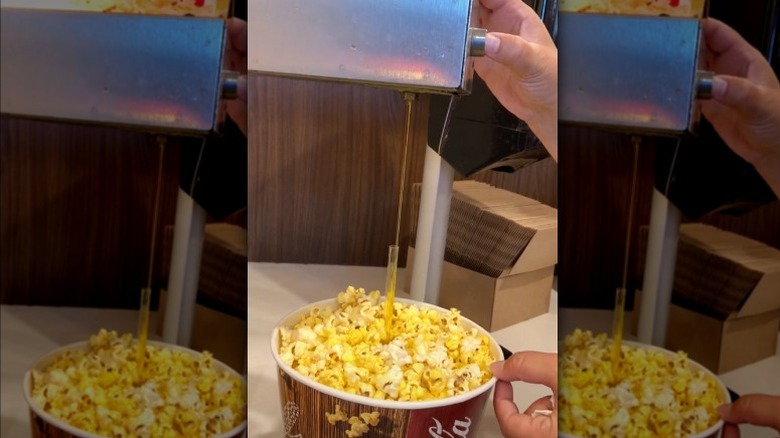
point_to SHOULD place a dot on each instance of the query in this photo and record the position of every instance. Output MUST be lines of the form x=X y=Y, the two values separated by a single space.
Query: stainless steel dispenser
x=632 y=73
x=156 y=73
x=159 y=74
x=405 y=44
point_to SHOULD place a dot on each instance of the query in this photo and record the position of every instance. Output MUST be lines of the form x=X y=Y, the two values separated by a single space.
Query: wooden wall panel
x=594 y=189
x=324 y=164
x=761 y=223
x=76 y=212
x=595 y=176
x=324 y=171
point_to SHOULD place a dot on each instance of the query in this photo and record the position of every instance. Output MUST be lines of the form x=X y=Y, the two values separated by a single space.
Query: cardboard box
x=496 y=303
x=500 y=255
x=725 y=310
x=495 y=231
x=493 y=303
x=720 y=345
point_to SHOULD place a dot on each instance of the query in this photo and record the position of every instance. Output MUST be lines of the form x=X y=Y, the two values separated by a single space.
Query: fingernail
x=492 y=44
x=718 y=86
x=496 y=366
x=723 y=410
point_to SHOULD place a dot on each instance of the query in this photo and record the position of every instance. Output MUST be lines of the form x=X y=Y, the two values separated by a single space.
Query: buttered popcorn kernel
x=658 y=394
x=97 y=390
x=429 y=356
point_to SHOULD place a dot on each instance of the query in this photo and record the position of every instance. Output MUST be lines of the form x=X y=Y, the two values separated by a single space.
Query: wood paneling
x=595 y=177
x=324 y=165
x=594 y=190
x=76 y=212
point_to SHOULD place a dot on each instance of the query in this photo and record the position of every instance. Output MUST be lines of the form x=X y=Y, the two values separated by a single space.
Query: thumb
x=755 y=409
x=529 y=366
x=739 y=94
x=514 y=52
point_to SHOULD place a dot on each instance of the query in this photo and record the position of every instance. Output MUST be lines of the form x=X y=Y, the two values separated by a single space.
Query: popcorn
x=677 y=8
x=97 y=390
x=658 y=394
x=429 y=354
x=202 y=8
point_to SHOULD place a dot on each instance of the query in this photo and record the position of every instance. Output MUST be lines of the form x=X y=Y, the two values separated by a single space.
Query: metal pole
x=662 y=239
x=188 y=233
x=432 y=220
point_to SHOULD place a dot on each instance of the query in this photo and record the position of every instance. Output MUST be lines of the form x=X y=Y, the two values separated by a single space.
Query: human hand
x=237 y=61
x=521 y=66
x=756 y=409
x=531 y=367
x=745 y=108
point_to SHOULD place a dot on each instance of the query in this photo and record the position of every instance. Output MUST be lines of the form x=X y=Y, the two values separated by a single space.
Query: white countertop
x=29 y=332
x=278 y=289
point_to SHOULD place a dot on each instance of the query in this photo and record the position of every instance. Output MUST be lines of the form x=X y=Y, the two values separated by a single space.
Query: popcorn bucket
x=711 y=432
x=44 y=424
x=305 y=402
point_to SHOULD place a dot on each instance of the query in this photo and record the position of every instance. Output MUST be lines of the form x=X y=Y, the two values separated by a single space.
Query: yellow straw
x=392 y=259
x=146 y=293
x=620 y=295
